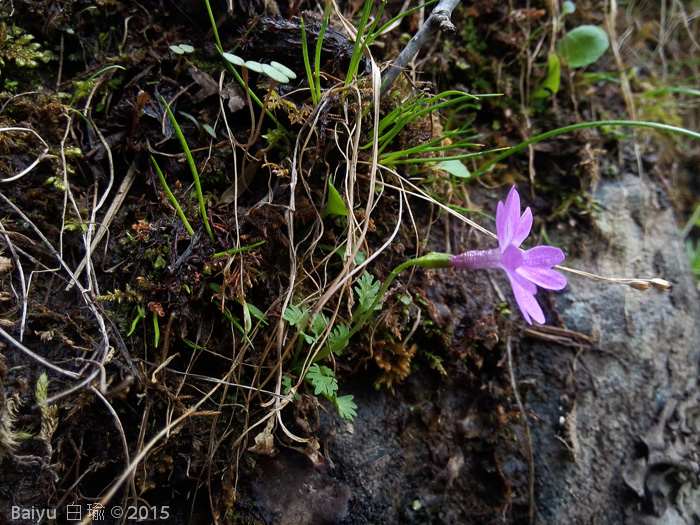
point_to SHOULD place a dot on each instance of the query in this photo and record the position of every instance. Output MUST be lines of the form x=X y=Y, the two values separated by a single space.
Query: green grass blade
x=193 y=169
x=598 y=124
x=172 y=198
x=359 y=46
x=319 y=47
x=239 y=250
x=307 y=64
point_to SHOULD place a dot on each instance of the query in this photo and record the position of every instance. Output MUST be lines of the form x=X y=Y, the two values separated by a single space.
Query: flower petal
x=501 y=226
x=507 y=218
x=543 y=277
x=526 y=300
x=523 y=228
x=511 y=258
x=522 y=282
x=543 y=256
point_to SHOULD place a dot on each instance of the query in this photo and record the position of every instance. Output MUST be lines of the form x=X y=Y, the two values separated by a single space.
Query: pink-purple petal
x=522 y=230
x=543 y=256
x=512 y=214
x=521 y=282
x=543 y=277
x=511 y=258
x=526 y=270
x=526 y=301
x=507 y=217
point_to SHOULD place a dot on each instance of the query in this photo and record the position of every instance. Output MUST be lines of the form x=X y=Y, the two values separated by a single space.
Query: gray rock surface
x=592 y=463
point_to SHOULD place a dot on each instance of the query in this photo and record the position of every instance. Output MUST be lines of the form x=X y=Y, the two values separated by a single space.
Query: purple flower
x=525 y=269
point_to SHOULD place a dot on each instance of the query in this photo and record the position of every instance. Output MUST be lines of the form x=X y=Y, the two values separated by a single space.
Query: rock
x=646 y=356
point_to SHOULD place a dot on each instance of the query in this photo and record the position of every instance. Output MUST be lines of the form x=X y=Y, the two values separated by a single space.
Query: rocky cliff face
x=605 y=402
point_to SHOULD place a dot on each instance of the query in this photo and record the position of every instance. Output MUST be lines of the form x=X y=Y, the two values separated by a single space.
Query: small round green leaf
x=177 y=50
x=583 y=45
x=254 y=66
x=234 y=59
x=291 y=75
x=186 y=48
x=568 y=8
x=274 y=74
x=455 y=168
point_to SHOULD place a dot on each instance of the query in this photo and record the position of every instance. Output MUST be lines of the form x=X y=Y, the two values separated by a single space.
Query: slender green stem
x=172 y=198
x=422 y=160
x=213 y=27
x=193 y=169
x=230 y=67
x=574 y=127
x=239 y=250
x=317 y=57
x=359 y=47
x=307 y=63
x=156 y=329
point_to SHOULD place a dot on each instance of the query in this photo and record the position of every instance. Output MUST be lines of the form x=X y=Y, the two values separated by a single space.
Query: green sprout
x=172 y=198
x=193 y=169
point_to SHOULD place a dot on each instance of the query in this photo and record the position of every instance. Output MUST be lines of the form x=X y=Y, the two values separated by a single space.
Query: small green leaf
x=568 y=8
x=257 y=313
x=140 y=314
x=274 y=74
x=367 y=289
x=337 y=341
x=287 y=384
x=284 y=70
x=550 y=84
x=583 y=45
x=254 y=66
x=360 y=256
x=234 y=59
x=321 y=378
x=346 y=407
x=209 y=130
x=455 y=168
x=177 y=49
x=335 y=204
x=186 y=48
x=318 y=324
x=294 y=315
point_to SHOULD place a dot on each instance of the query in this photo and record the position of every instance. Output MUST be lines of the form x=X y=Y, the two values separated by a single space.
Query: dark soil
x=167 y=392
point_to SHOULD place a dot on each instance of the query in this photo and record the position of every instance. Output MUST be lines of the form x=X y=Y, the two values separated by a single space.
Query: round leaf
x=234 y=59
x=186 y=48
x=274 y=74
x=291 y=75
x=254 y=66
x=583 y=45
x=455 y=168
x=568 y=7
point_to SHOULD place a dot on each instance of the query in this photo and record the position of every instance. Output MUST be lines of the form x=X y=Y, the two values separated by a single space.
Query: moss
x=16 y=46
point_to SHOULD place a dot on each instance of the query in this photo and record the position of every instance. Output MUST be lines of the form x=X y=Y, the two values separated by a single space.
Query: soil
x=155 y=378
